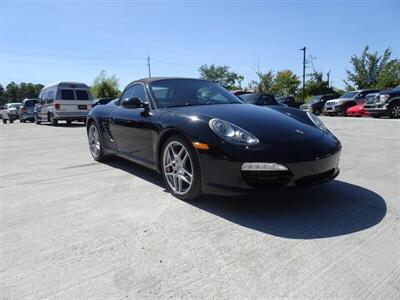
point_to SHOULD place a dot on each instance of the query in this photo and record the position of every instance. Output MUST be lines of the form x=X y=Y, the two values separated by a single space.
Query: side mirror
x=132 y=102
x=135 y=102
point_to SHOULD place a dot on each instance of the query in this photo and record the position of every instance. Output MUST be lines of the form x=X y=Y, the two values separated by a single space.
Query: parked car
x=339 y=106
x=203 y=139
x=289 y=101
x=259 y=99
x=26 y=111
x=359 y=110
x=10 y=112
x=386 y=103
x=316 y=104
x=68 y=101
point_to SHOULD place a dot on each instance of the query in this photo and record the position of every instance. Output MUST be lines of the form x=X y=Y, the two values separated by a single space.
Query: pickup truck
x=386 y=103
x=10 y=112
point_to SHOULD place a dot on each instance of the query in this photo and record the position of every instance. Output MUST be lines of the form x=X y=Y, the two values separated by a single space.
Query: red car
x=357 y=111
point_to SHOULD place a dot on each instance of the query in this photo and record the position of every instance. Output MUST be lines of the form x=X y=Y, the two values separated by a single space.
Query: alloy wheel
x=94 y=141
x=396 y=111
x=178 y=167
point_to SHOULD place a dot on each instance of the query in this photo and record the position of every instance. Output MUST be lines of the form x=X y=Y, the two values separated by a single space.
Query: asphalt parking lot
x=72 y=228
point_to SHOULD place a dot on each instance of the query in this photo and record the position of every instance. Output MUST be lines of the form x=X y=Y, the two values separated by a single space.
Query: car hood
x=267 y=123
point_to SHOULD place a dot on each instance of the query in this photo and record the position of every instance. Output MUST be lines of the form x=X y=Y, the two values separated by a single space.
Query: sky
x=45 y=41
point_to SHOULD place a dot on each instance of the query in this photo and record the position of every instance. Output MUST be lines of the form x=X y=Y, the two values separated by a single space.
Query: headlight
x=383 y=98
x=317 y=122
x=232 y=133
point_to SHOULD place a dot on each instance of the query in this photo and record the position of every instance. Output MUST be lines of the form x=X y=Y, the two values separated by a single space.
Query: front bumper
x=331 y=109
x=225 y=177
x=376 y=110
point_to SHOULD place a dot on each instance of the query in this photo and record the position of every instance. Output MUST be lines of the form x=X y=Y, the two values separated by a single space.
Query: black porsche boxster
x=203 y=139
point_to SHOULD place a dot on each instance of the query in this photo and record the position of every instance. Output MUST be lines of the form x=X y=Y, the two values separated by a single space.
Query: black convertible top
x=152 y=79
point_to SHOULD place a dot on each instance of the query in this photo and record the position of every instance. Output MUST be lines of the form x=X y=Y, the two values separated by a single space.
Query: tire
x=395 y=111
x=317 y=112
x=4 y=121
x=11 y=121
x=53 y=121
x=22 y=120
x=69 y=122
x=376 y=116
x=95 y=142
x=331 y=114
x=181 y=168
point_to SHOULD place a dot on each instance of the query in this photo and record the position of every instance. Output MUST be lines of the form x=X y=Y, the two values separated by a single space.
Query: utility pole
x=328 y=74
x=304 y=71
x=148 y=65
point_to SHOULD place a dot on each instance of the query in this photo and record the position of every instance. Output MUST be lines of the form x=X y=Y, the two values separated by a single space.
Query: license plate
x=82 y=107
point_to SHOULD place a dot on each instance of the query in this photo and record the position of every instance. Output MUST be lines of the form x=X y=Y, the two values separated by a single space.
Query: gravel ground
x=72 y=228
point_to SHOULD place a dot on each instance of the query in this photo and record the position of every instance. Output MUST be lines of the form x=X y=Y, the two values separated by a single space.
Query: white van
x=68 y=101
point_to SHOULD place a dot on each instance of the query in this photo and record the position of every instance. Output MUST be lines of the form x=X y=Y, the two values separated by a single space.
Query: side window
x=139 y=92
x=50 y=97
x=135 y=91
x=44 y=97
x=127 y=94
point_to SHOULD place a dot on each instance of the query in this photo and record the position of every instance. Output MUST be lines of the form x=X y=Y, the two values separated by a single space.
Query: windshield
x=315 y=99
x=349 y=95
x=185 y=92
x=14 y=105
x=249 y=98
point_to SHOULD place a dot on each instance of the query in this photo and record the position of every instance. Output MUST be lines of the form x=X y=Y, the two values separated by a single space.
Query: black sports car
x=203 y=139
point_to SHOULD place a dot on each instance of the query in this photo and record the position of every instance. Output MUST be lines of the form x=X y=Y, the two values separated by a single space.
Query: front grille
x=263 y=179
x=371 y=100
x=315 y=178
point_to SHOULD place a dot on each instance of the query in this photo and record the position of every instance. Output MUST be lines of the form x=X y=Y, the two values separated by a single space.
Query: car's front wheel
x=95 y=144
x=181 y=169
x=395 y=111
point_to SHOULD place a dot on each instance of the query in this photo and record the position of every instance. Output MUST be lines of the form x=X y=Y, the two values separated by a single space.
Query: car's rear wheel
x=181 y=169
x=53 y=121
x=95 y=144
x=395 y=111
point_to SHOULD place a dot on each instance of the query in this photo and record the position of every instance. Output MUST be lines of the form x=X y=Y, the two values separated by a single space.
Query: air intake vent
x=106 y=126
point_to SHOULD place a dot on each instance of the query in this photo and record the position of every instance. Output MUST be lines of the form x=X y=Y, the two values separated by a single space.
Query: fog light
x=260 y=166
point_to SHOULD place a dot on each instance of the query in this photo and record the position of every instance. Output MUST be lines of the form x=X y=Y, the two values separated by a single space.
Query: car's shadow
x=332 y=209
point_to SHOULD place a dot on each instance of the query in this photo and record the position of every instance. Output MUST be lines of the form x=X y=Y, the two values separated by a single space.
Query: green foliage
x=285 y=83
x=315 y=85
x=105 y=87
x=367 y=69
x=222 y=75
x=17 y=92
x=265 y=82
x=390 y=75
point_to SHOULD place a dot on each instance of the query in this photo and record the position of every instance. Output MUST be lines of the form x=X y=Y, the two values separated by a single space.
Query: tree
x=222 y=75
x=12 y=91
x=315 y=85
x=285 y=83
x=265 y=82
x=3 y=98
x=366 y=68
x=105 y=87
x=390 y=75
